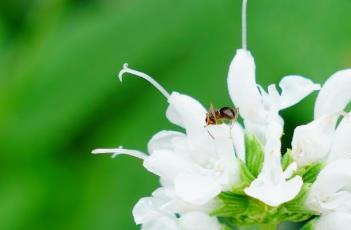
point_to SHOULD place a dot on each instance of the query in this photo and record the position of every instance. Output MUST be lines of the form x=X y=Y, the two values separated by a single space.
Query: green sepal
x=287 y=159
x=310 y=225
x=232 y=205
x=241 y=210
x=254 y=154
x=309 y=173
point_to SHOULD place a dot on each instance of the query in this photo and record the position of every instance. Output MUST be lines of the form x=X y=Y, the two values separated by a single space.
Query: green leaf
x=254 y=154
x=287 y=159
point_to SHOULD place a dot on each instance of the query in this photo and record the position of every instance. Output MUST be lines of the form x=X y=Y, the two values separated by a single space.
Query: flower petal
x=167 y=164
x=335 y=220
x=195 y=188
x=162 y=223
x=239 y=141
x=341 y=148
x=312 y=142
x=199 y=221
x=223 y=162
x=334 y=95
x=222 y=141
x=243 y=88
x=186 y=112
x=164 y=140
x=145 y=210
x=275 y=194
x=332 y=189
x=294 y=89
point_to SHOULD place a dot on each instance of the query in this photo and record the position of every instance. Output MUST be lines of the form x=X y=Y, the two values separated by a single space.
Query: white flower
x=330 y=195
x=199 y=164
x=331 y=192
x=213 y=169
x=311 y=142
x=326 y=140
x=260 y=111
x=164 y=210
x=323 y=139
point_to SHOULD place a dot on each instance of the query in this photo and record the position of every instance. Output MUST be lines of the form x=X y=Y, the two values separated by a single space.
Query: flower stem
x=244 y=24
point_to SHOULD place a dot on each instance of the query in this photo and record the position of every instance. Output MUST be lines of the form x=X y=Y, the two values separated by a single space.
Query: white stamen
x=244 y=24
x=126 y=69
x=120 y=151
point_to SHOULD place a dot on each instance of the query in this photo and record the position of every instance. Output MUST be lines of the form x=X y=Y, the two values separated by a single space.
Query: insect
x=223 y=115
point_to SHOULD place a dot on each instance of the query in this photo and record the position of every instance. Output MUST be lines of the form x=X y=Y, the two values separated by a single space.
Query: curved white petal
x=146 y=209
x=332 y=189
x=164 y=140
x=275 y=194
x=149 y=209
x=334 y=95
x=196 y=188
x=186 y=112
x=341 y=147
x=162 y=223
x=294 y=89
x=222 y=141
x=312 y=142
x=334 y=221
x=223 y=161
x=167 y=164
x=199 y=221
x=238 y=137
x=243 y=88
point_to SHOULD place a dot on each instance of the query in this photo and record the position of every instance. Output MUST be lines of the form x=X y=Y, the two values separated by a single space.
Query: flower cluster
x=228 y=175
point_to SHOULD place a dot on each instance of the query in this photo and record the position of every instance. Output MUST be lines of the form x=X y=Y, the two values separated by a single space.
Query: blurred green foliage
x=60 y=98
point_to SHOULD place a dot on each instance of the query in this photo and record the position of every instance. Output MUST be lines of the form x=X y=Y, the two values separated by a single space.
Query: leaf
x=254 y=154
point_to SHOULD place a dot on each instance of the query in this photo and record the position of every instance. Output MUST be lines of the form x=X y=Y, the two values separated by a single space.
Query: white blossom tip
x=146 y=77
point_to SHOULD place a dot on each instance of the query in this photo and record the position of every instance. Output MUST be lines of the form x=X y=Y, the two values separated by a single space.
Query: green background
x=60 y=97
